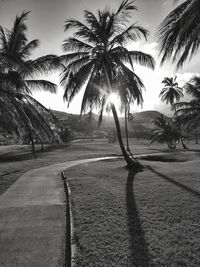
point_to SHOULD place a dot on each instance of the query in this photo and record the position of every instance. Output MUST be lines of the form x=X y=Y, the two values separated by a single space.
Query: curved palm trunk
x=130 y=162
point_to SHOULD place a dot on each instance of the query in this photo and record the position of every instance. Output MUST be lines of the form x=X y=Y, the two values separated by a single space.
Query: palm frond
x=41 y=85
x=3 y=40
x=73 y=44
x=142 y=59
x=16 y=36
x=41 y=65
x=178 y=34
x=28 y=48
x=132 y=33
x=81 y=30
x=77 y=80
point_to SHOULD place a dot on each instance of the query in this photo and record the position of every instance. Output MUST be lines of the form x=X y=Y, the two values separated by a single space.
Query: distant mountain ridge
x=146 y=116
x=140 y=126
x=143 y=116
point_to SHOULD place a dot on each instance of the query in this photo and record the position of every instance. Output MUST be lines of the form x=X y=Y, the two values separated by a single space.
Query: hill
x=147 y=116
x=139 y=127
x=143 y=117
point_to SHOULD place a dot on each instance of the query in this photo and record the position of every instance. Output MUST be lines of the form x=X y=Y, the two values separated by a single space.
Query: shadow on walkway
x=185 y=187
x=139 y=251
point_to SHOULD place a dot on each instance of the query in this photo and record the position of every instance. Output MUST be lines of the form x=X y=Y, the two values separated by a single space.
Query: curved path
x=32 y=218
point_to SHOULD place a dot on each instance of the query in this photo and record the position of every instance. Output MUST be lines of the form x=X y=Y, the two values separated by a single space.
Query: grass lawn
x=16 y=160
x=151 y=218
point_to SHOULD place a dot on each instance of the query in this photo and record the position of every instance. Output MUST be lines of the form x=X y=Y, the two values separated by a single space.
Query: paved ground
x=32 y=219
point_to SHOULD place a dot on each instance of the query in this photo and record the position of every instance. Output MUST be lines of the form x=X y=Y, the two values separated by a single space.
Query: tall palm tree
x=17 y=72
x=99 y=59
x=171 y=92
x=189 y=112
x=179 y=33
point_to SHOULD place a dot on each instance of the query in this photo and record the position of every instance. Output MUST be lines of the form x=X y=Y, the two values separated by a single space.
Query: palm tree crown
x=16 y=64
x=179 y=33
x=99 y=46
x=171 y=92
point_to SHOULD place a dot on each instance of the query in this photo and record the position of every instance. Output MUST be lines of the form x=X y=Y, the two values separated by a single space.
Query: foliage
x=100 y=44
x=166 y=131
x=189 y=112
x=171 y=92
x=19 y=112
x=179 y=33
x=66 y=134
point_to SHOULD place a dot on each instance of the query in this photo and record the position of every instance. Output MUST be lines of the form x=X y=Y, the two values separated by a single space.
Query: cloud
x=164 y=3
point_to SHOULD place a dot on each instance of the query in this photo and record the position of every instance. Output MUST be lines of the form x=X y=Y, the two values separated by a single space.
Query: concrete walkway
x=32 y=218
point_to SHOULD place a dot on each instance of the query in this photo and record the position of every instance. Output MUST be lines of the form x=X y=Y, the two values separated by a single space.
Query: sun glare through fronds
x=114 y=99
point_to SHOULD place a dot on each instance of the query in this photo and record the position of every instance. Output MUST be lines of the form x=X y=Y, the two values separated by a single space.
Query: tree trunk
x=196 y=135
x=183 y=144
x=32 y=145
x=168 y=144
x=42 y=146
x=126 y=129
x=179 y=126
x=130 y=162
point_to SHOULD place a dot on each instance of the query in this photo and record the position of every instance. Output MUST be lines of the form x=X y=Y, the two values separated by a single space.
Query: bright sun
x=114 y=98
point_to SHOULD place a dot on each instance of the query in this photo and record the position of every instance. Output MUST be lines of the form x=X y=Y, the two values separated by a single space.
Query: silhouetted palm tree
x=99 y=57
x=179 y=33
x=17 y=71
x=165 y=131
x=171 y=92
x=189 y=112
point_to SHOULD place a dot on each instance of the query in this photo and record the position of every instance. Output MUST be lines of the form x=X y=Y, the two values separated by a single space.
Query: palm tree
x=171 y=92
x=189 y=112
x=99 y=59
x=17 y=71
x=165 y=131
x=179 y=33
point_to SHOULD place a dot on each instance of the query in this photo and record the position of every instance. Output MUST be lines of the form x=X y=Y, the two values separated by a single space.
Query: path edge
x=70 y=246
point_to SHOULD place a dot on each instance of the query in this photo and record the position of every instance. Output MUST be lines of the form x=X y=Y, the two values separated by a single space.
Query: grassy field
x=17 y=159
x=151 y=218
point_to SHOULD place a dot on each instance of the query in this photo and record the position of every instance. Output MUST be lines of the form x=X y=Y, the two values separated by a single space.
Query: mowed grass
x=16 y=160
x=151 y=218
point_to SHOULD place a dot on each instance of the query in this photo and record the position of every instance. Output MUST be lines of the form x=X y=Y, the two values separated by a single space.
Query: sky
x=46 y=23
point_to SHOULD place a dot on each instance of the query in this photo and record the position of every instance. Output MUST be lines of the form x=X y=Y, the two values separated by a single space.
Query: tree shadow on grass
x=139 y=251
x=185 y=187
